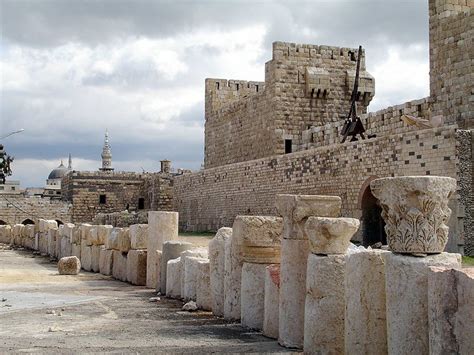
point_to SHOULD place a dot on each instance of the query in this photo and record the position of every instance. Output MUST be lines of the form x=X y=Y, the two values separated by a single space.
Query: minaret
x=106 y=155
x=69 y=165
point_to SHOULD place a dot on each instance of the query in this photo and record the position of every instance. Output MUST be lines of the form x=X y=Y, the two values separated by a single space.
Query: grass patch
x=468 y=260
x=197 y=234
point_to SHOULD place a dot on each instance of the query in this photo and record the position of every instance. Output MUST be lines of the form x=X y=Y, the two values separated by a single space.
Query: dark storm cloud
x=52 y=23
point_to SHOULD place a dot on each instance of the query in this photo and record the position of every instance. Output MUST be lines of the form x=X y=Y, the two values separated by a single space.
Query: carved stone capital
x=295 y=210
x=330 y=235
x=415 y=210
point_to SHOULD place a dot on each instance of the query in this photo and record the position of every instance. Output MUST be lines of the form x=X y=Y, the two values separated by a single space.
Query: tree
x=5 y=161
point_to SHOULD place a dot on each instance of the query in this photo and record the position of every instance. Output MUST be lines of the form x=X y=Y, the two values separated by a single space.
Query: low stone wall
x=121 y=219
x=17 y=209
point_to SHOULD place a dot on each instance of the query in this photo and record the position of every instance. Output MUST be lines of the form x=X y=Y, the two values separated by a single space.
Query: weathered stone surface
x=95 y=258
x=324 y=305
x=51 y=236
x=66 y=247
x=191 y=253
x=415 y=210
x=85 y=229
x=69 y=265
x=68 y=230
x=103 y=232
x=171 y=250
x=158 y=256
x=76 y=250
x=295 y=209
x=124 y=240
x=106 y=257
x=173 y=278
x=5 y=234
x=330 y=235
x=365 y=320
x=138 y=236
x=253 y=295
x=450 y=310
x=112 y=241
x=203 y=285
x=259 y=237
x=162 y=226
x=292 y=291
x=76 y=235
x=119 y=268
x=86 y=256
x=136 y=267
x=272 y=300
x=406 y=283
x=217 y=268
x=190 y=277
x=92 y=236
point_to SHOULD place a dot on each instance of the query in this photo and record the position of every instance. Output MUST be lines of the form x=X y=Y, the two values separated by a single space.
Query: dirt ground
x=41 y=311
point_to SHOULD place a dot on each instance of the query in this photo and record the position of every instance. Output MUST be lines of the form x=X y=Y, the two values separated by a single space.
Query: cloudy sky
x=72 y=69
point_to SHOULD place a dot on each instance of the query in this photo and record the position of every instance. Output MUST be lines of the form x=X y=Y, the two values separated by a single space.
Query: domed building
x=53 y=183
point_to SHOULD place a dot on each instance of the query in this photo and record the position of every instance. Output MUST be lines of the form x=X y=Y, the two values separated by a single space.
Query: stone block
x=190 y=277
x=86 y=256
x=259 y=237
x=51 y=238
x=57 y=246
x=103 y=232
x=197 y=253
x=119 y=266
x=365 y=317
x=295 y=209
x=68 y=230
x=162 y=226
x=406 y=283
x=69 y=265
x=106 y=257
x=203 y=285
x=450 y=310
x=330 y=235
x=253 y=295
x=272 y=300
x=136 y=267
x=138 y=236
x=217 y=268
x=66 y=246
x=112 y=241
x=158 y=256
x=174 y=275
x=5 y=234
x=85 y=229
x=76 y=250
x=324 y=305
x=292 y=291
x=76 y=235
x=171 y=250
x=124 y=240
x=95 y=258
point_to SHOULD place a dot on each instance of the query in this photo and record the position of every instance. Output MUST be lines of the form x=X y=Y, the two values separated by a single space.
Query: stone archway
x=28 y=221
x=373 y=225
x=59 y=222
x=2 y=223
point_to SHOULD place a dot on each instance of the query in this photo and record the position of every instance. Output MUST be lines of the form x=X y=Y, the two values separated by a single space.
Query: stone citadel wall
x=451 y=64
x=305 y=85
x=210 y=199
x=16 y=209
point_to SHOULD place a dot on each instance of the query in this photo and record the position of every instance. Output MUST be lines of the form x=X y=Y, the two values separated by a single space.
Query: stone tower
x=106 y=155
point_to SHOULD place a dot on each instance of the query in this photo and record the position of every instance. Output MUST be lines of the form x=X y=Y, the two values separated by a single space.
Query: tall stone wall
x=451 y=64
x=15 y=209
x=305 y=85
x=210 y=199
x=465 y=152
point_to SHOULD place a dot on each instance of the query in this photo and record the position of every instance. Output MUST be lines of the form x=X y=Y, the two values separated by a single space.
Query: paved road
x=41 y=311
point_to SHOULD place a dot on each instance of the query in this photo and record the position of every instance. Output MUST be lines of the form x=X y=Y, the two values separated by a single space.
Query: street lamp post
x=12 y=133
